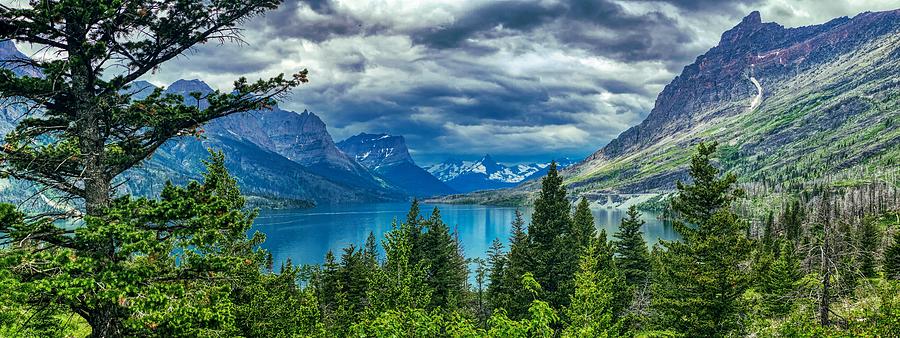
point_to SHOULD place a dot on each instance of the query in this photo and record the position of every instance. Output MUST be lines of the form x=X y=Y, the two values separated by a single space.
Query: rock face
x=272 y=153
x=818 y=87
x=389 y=157
x=11 y=58
x=487 y=174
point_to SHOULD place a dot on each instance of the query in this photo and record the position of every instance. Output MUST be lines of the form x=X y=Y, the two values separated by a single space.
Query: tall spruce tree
x=699 y=281
x=551 y=246
x=596 y=307
x=518 y=262
x=85 y=128
x=583 y=228
x=446 y=267
x=779 y=282
x=632 y=256
x=892 y=259
x=496 y=294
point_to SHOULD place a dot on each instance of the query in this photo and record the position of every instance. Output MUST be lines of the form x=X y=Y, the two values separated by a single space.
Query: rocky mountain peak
x=376 y=150
x=189 y=86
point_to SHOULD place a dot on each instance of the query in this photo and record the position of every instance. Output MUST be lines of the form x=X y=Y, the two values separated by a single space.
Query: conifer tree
x=583 y=228
x=631 y=250
x=163 y=277
x=699 y=281
x=85 y=128
x=551 y=247
x=594 y=305
x=892 y=259
x=517 y=264
x=446 y=268
x=779 y=281
x=496 y=294
x=867 y=243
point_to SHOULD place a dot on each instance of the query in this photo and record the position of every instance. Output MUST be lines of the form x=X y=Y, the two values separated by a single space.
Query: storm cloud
x=524 y=80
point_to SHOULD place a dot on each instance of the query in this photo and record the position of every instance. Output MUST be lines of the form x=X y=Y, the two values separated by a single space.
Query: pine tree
x=169 y=258
x=595 y=308
x=793 y=217
x=869 y=236
x=892 y=259
x=496 y=265
x=86 y=128
x=583 y=228
x=779 y=281
x=517 y=264
x=699 y=281
x=446 y=267
x=631 y=250
x=551 y=246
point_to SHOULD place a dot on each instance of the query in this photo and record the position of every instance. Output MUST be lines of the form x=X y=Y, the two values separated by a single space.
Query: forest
x=822 y=260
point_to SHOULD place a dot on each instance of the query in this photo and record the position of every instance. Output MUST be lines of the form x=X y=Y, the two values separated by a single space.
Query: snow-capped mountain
x=388 y=156
x=486 y=173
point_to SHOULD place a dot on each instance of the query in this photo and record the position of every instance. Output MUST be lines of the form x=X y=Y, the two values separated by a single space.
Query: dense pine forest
x=802 y=259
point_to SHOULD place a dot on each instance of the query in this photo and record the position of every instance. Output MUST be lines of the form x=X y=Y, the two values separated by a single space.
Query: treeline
x=812 y=271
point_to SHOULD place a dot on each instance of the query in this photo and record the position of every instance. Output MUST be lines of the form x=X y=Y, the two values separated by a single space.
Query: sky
x=525 y=81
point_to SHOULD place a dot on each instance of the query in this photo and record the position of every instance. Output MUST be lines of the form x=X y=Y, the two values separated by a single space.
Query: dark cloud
x=711 y=5
x=290 y=21
x=601 y=26
x=524 y=80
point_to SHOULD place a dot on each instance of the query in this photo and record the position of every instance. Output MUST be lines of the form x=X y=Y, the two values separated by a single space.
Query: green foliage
x=632 y=256
x=504 y=288
x=552 y=247
x=162 y=275
x=778 y=283
x=698 y=282
x=596 y=305
x=583 y=227
x=892 y=258
x=446 y=267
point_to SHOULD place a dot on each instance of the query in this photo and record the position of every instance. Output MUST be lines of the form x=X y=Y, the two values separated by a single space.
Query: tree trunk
x=104 y=323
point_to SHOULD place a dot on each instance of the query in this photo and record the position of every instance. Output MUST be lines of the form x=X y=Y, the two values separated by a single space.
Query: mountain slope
x=389 y=157
x=785 y=103
x=257 y=147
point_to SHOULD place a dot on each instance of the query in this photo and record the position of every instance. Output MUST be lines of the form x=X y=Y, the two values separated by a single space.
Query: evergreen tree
x=163 y=275
x=779 y=282
x=85 y=128
x=583 y=228
x=793 y=217
x=594 y=305
x=497 y=295
x=446 y=267
x=699 y=281
x=892 y=259
x=631 y=250
x=869 y=236
x=517 y=264
x=551 y=248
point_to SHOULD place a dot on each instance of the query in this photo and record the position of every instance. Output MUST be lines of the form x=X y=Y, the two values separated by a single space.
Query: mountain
x=389 y=157
x=787 y=105
x=784 y=103
x=274 y=153
x=487 y=174
x=11 y=58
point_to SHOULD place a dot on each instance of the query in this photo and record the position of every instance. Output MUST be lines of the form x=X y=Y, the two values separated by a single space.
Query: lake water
x=305 y=235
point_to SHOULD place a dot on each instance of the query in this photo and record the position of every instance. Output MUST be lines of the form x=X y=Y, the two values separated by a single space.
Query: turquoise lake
x=305 y=235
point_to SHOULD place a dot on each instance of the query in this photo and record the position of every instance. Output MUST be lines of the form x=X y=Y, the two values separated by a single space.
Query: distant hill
x=389 y=157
